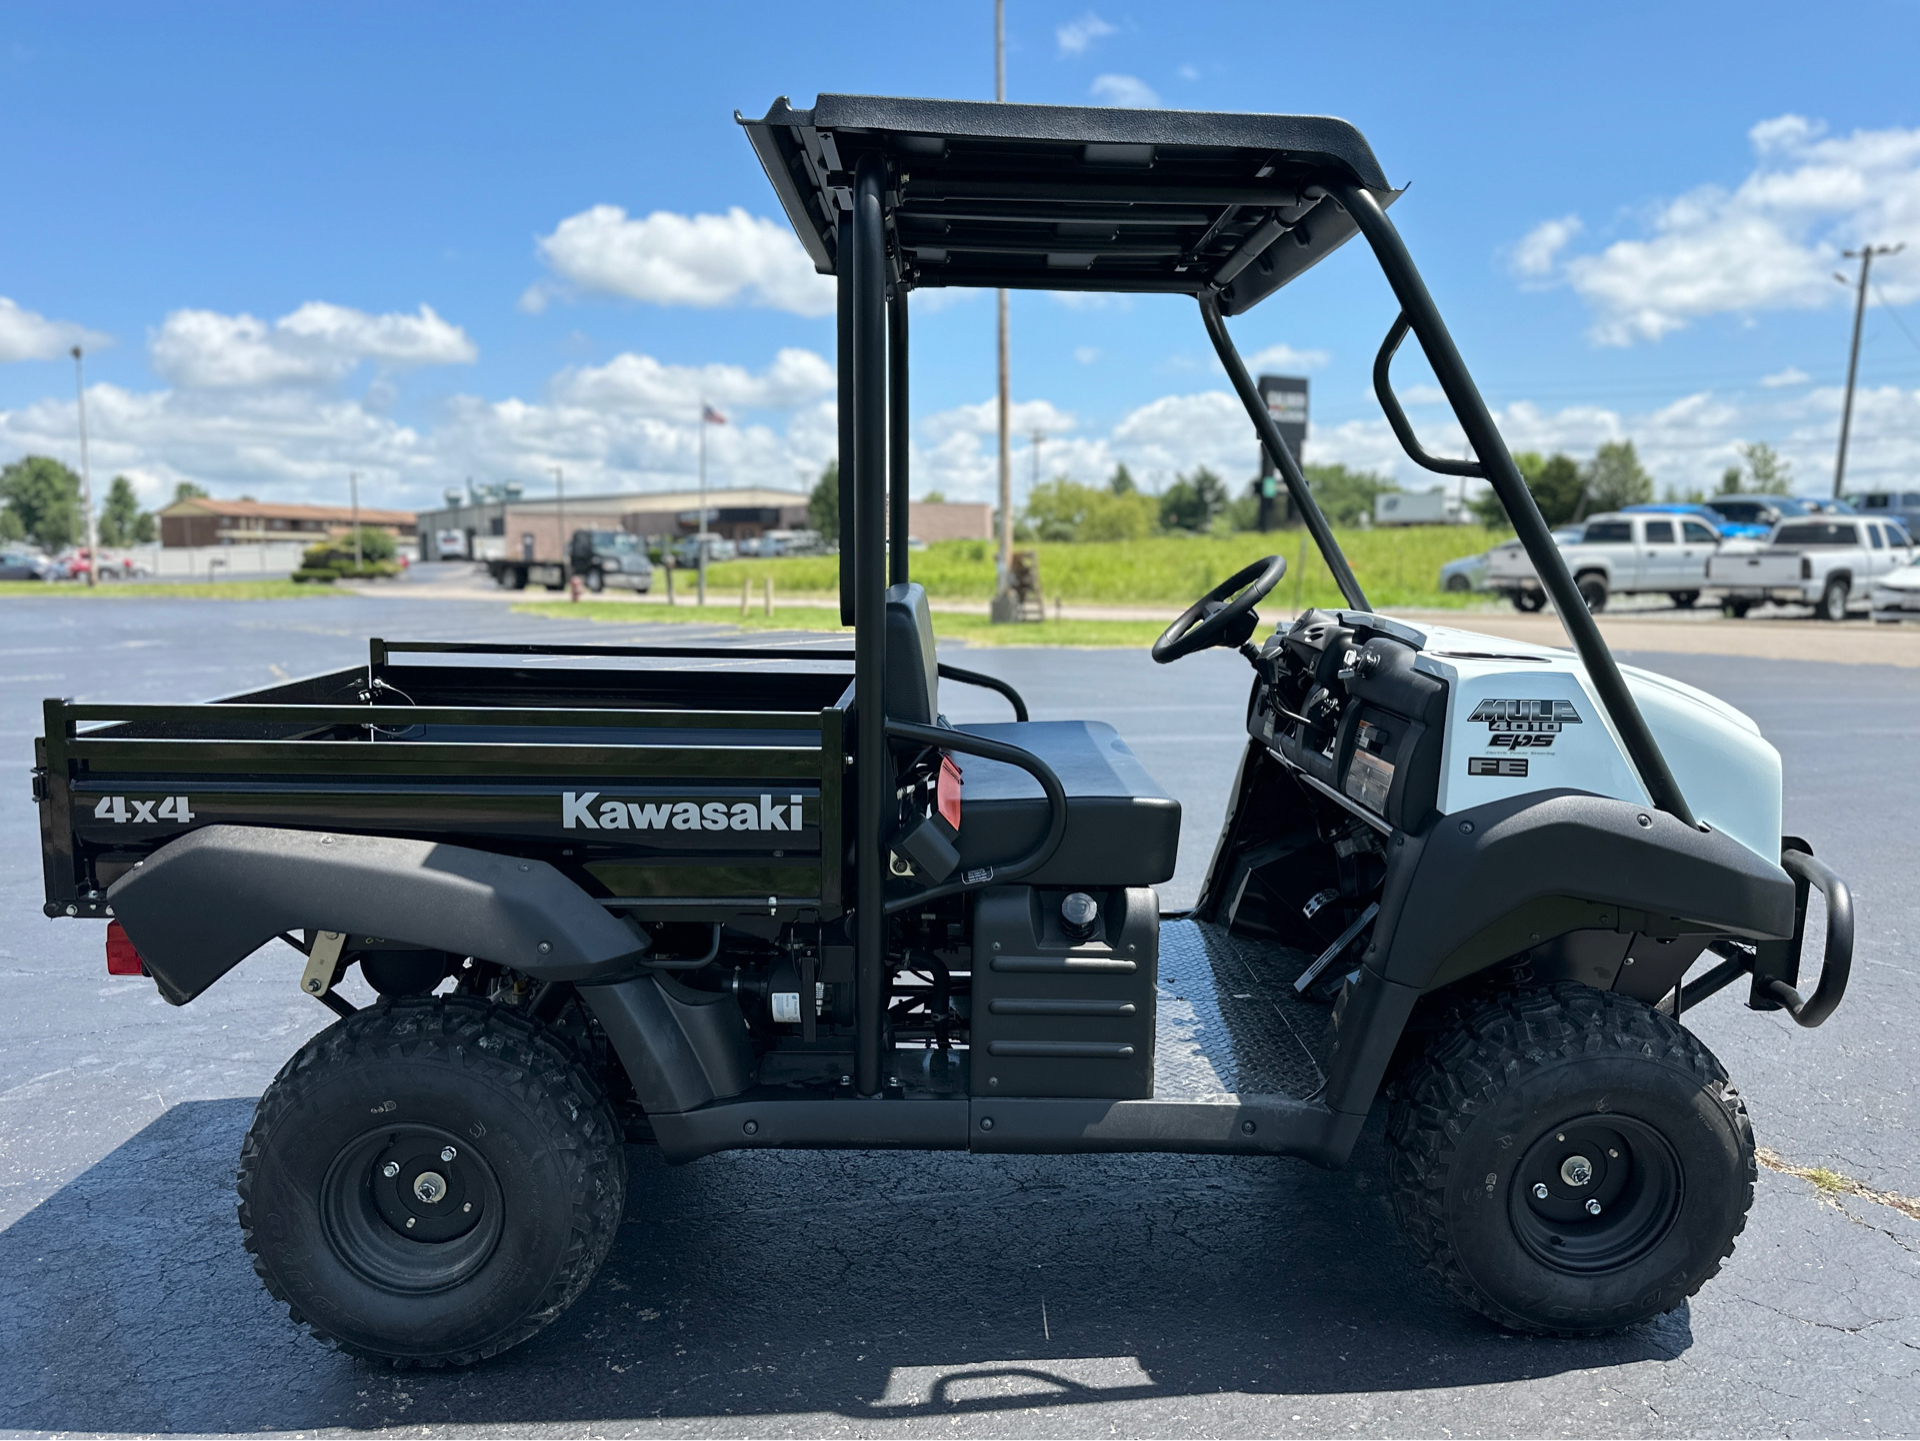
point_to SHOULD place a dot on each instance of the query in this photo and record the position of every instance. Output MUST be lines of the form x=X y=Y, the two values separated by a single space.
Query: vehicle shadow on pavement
x=863 y=1286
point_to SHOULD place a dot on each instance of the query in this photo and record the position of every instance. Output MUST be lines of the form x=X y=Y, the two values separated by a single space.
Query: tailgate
x=1767 y=568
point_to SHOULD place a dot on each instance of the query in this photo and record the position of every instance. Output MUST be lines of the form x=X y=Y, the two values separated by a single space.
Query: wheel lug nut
x=1593 y=1208
x=390 y=1170
x=1540 y=1190
x=410 y=1223
x=448 y=1153
x=467 y=1207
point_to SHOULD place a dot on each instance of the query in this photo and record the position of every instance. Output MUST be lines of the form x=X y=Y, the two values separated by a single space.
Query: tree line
x=40 y=502
x=1200 y=503
x=1567 y=490
x=1196 y=503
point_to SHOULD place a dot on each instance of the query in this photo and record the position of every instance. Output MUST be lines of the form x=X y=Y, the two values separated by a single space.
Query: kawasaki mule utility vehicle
x=619 y=893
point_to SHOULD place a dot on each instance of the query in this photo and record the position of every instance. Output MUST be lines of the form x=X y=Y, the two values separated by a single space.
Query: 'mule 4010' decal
x=123 y=811
x=579 y=810
x=1524 y=724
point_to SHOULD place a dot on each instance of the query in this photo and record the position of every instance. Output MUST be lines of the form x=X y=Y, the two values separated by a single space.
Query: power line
x=1888 y=306
x=1865 y=255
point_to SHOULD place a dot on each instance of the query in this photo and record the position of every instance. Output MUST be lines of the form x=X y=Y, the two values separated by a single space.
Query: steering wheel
x=1216 y=620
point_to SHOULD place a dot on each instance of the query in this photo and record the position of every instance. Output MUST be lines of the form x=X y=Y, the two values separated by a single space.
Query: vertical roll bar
x=873 y=778
x=1470 y=409
x=1283 y=461
x=897 y=435
x=843 y=286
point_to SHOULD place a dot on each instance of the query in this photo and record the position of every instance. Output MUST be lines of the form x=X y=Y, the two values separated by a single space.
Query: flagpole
x=700 y=534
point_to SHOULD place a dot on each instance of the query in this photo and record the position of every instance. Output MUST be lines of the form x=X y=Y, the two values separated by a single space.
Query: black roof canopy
x=1060 y=197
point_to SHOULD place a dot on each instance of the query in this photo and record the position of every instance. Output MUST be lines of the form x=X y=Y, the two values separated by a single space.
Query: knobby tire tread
x=523 y=1058
x=1496 y=1044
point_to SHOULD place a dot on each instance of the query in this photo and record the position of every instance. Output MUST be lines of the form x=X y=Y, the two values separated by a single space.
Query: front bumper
x=1896 y=605
x=1775 y=965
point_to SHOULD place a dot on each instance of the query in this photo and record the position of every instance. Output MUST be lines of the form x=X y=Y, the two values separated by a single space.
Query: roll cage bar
x=892 y=195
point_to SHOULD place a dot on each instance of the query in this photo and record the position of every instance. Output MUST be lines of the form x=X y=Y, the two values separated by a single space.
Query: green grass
x=974 y=629
x=185 y=590
x=1396 y=568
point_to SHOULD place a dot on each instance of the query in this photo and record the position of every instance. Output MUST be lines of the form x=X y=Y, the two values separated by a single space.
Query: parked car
x=1764 y=511
x=1828 y=562
x=1469 y=573
x=19 y=563
x=1896 y=596
x=1617 y=554
x=719 y=548
x=1900 y=505
x=1706 y=514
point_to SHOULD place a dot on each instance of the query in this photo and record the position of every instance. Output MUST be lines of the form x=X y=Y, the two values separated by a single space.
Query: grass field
x=1396 y=568
x=185 y=590
x=974 y=629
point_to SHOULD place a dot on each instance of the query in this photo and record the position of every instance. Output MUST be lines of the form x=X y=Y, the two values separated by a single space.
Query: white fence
x=213 y=562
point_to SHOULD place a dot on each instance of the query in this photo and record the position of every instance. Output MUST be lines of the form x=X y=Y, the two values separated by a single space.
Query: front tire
x=1570 y=1161
x=430 y=1181
x=1528 y=601
x=1593 y=590
x=1684 y=599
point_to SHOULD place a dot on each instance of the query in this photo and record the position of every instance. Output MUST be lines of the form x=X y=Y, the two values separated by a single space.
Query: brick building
x=203 y=521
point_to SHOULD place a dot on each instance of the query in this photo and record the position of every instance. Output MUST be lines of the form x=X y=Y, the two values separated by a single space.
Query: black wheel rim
x=1596 y=1194
x=413 y=1209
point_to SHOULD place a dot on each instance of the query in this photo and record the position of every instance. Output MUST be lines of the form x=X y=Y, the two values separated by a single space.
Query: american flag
x=711 y=416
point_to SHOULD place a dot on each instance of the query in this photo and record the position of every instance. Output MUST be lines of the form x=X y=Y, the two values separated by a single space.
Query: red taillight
x=122 y=958
x=947 y=792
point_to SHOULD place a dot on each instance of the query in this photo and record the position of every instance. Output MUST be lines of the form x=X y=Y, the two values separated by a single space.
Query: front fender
x=200 y=905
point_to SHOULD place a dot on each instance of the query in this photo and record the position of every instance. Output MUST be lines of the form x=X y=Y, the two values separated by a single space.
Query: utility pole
x=86 y=475
x=560 y=489
x=353 y=492
x=1865 y=256
x=1036 y=438
x=1004 y=564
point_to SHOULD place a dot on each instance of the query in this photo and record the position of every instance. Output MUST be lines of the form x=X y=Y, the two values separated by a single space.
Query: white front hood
x=1729 y=774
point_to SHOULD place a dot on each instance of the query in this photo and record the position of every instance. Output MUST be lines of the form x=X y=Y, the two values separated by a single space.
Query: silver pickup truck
x=1827 y=562
x=1617 y=555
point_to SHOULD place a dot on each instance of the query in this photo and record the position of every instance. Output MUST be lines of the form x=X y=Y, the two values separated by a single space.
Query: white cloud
x=26 y=335
x=695 y=260
x=640 y=384
x=1076 y=35
x=1188 y=72
x=1541 y=246
x=1127 y=91
x=317 y=343
x=1086 y=354
x=1792 y=375
x=1770 y=243
x=1285 y=357
x=984 y=419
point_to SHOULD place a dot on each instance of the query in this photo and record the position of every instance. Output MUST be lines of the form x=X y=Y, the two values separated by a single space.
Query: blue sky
x=432 y=241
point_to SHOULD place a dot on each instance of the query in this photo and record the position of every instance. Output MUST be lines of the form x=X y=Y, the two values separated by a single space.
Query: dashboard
x=1341 y=705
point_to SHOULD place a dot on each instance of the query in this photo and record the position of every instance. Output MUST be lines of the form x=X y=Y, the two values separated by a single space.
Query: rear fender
x=200 y=905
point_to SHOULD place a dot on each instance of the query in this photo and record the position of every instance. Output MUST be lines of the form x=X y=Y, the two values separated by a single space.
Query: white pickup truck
x=1616 y=555
x=1827 y=562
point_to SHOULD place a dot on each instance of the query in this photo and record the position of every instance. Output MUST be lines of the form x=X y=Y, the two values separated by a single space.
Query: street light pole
x=1865 y=256
x=353 y=492
x=560 y=519
x=86 y=474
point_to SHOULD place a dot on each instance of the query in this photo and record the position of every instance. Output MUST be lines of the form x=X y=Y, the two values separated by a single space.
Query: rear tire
x=1735 y=609
x=446 y=1258
x=1832 y=604
x=1593 y=1098
x=1684 y=599
x=1528 y=601
x=1593 y=590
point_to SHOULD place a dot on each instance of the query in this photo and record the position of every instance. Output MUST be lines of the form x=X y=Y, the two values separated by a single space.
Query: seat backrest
x=913 y=669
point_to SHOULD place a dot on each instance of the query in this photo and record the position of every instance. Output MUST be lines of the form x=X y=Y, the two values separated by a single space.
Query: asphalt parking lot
x=879 y=1294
